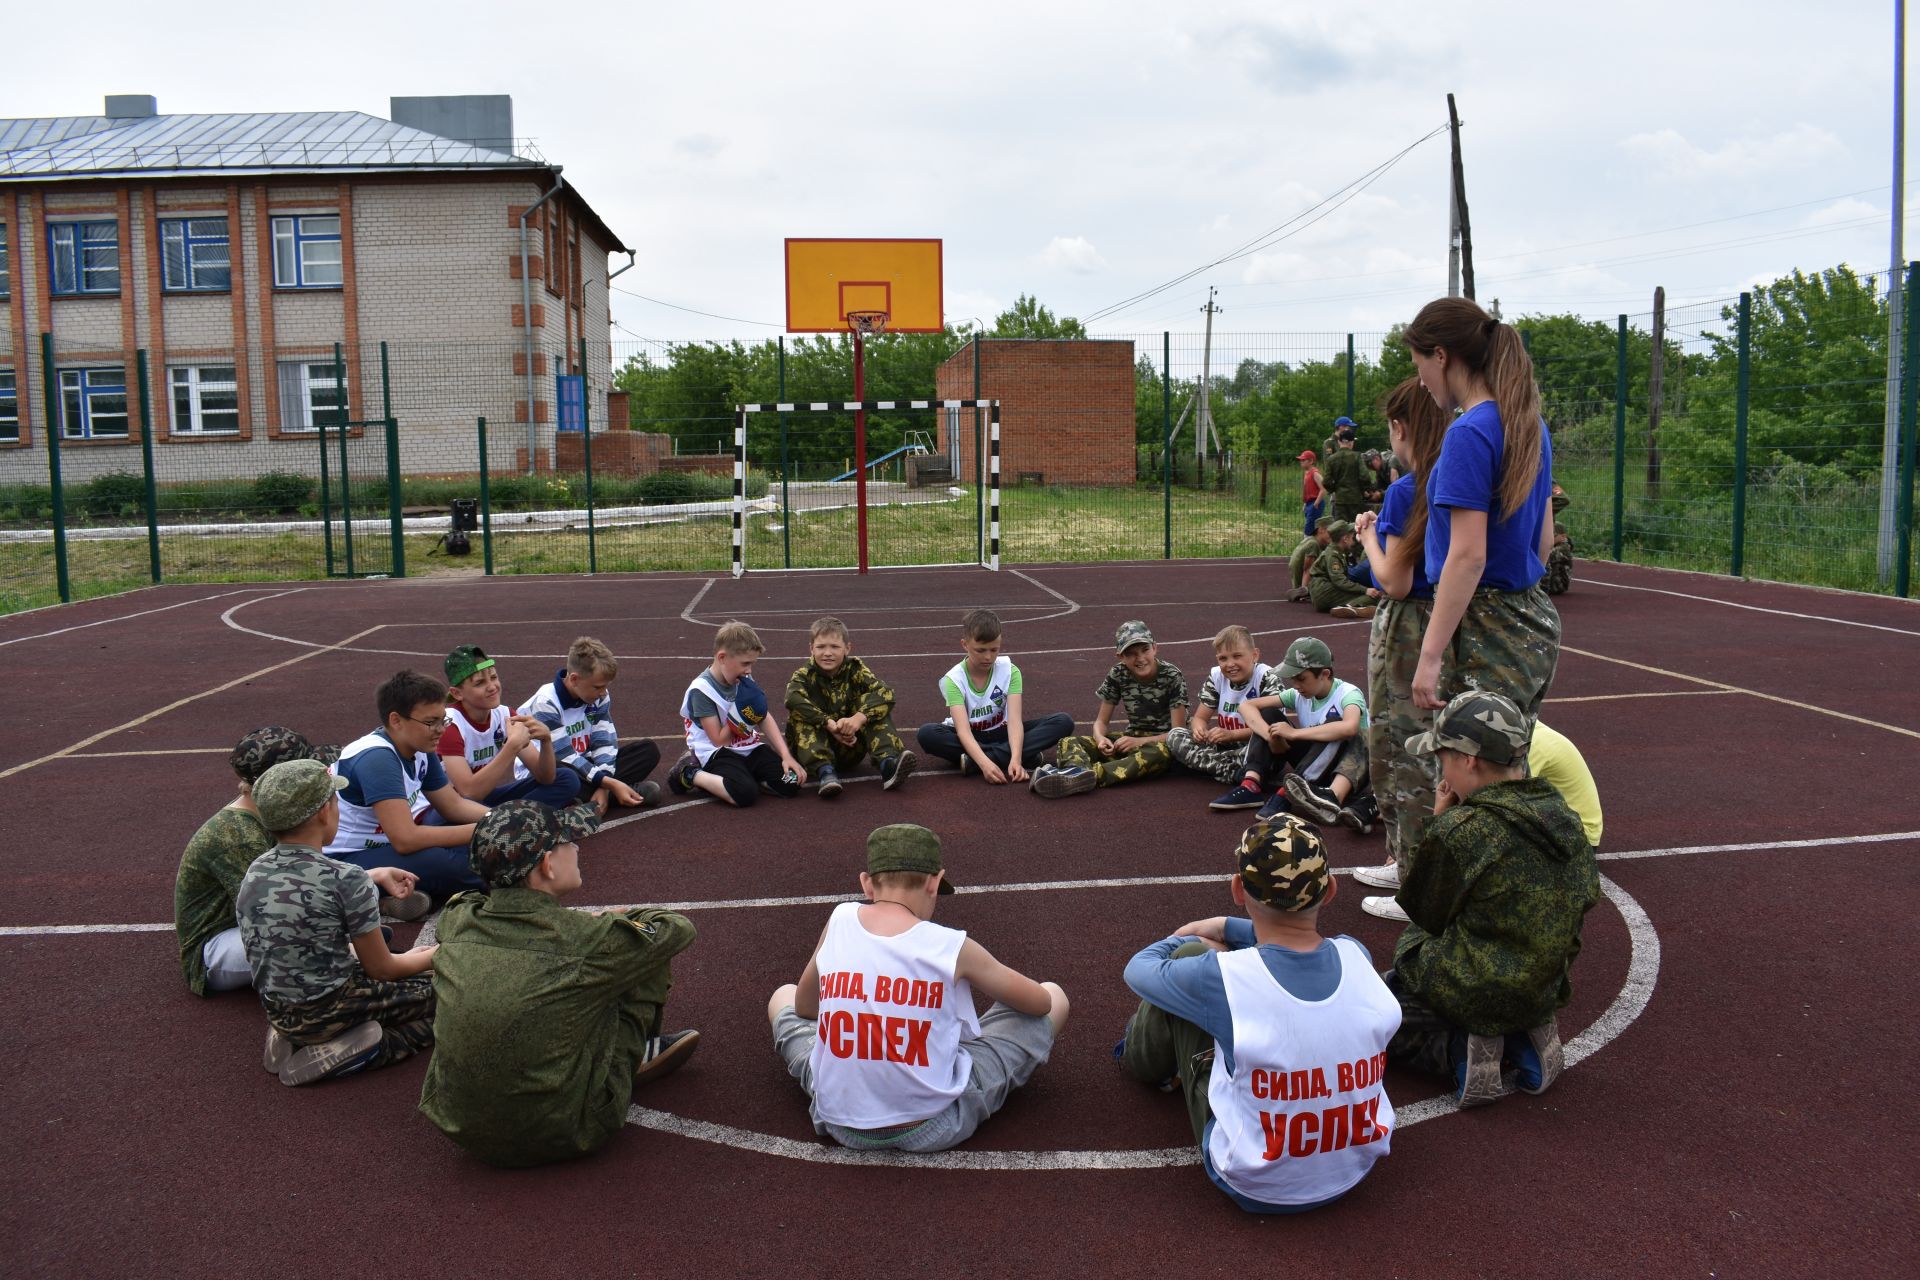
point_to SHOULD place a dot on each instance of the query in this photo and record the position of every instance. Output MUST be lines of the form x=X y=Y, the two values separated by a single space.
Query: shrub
x=114 y=493
x=671 y=486
x=282 y=492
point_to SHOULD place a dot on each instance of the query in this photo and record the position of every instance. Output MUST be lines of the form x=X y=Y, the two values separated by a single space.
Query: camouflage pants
x=1161 y=1047
x=1403 y=783
x=1422 y=1041
x=1152 y=759
x=1508 y=642
x=1328 y=595
x=813 y=746
x=1559 y=568
x=404 y=1010
x=1224 y=762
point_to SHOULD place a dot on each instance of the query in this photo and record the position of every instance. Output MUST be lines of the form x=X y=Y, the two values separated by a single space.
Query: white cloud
x=1847 y=210
x=1671 y=155
x=1072 y=253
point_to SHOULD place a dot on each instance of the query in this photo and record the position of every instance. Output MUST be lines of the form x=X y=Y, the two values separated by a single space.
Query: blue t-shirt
x=373 y=776
x=1394 y=510
x=1468 y=476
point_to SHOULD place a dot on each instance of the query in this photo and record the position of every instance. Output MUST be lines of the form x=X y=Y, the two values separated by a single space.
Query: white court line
x=1754 y=608
x=687 y=613
x=1669 y=693
x=1072 y=606
x=1031 y=886
x=124 y=617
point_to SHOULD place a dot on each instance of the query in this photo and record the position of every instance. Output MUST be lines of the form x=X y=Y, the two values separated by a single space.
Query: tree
x=1027 y=318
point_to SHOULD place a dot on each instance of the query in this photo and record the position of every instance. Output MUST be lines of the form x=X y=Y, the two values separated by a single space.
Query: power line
x=712 y=315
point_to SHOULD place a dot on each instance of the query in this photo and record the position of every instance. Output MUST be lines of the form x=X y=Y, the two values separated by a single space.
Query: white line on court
x=1753 y=608
x=124 y=617
x=698 y=596
x=1072 y=606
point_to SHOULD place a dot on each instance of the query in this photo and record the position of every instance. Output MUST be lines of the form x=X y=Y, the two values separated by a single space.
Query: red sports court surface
x=1740 y=1015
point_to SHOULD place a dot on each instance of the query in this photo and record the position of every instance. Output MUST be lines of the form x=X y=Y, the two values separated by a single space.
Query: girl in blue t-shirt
x=1395 y=541
x=1489 y=523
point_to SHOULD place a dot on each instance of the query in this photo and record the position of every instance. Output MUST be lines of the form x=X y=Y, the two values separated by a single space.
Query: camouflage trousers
x=1148 y=761
x=1224 y=762
x=1559 y=568
x=404 y=1010
x=1160 y=1047
x=813 y=746
x=1508 y=642
x=1421 y=1043
x=1403 y=783
x=1329 y=595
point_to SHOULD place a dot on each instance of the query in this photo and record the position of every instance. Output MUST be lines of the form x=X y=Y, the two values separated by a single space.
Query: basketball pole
x=860 y=444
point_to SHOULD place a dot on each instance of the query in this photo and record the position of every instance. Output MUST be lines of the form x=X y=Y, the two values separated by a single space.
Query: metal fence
x=1753 y=445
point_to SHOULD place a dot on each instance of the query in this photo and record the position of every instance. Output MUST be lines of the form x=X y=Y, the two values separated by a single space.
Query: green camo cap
x=1130 y=634
x=466 y=662
x=905 y=847
x=1477 y=723
x=1305 y=654
x=1322 y=522
x=290 y=793
x=1283 y=863
x=509 y=842
x=274 y=744
x=1338 y=530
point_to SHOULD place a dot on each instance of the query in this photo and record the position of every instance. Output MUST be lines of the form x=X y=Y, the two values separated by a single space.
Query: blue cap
x=1343 y=421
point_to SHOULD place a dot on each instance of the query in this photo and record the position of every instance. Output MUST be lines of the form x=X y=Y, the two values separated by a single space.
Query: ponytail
x=1492 y=352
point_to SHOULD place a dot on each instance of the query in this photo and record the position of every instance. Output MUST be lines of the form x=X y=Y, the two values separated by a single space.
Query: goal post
x=987 y=546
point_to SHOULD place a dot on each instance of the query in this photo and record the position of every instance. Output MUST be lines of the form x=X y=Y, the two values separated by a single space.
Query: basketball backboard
x=828 y=278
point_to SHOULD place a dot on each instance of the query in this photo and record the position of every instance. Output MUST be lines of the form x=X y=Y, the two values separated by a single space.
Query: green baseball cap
x=1130 y=634
x=1305 y=654
x=1478 y=723
x=903 y=846
x=290 y=793
x=1339 y=529
x=1323 y=522
x=1283 y=863
x=466 y=662
x=509 y=842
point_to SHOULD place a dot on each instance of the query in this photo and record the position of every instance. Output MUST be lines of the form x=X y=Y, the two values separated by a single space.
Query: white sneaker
x=1387 y=877
x=1384 y=907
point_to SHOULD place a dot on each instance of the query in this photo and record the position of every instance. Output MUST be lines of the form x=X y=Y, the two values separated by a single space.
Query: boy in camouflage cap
x=839 y=713
x=337 y=998
x=548 y=1017
x=1155 y=695
x=1275 y=1035
x=1496 y=894
x=1328 y=582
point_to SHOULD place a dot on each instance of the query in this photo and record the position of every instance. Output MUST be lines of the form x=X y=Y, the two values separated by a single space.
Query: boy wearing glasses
x=398 y=809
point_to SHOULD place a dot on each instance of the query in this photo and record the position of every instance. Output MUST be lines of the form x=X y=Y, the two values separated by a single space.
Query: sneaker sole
x=1371 y=876
x=649 y=793
x=830 y=788
x=900 y=771
x=1545 y=1040
x=1218 y=807
x=1314 y=807
x=1388 y=910
x=338 y=1056
x=1054 y=786
x=409 y=908
x=669 y=1059
x=1483 y=1084
x=278 y=1050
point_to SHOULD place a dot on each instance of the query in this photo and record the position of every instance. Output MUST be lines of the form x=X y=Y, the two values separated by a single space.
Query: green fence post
x=1741 y=396
x=486 y=505
x=326 y=495
x=786 y=467
x=346 y=487
x=1619 y=439
x=1909 y=381
x=146 y=466
x=979 y=465
x=586 y=454
x=396 y=523
x=1349 y=375
x=1166 y=444
x=51 y=394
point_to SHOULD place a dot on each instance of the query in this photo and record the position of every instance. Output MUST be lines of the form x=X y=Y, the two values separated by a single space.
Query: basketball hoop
x=867 y=323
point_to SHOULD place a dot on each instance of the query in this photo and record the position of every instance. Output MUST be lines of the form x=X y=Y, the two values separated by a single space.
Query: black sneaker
x=966 y=764
x=1244 y=796
x=665 y=1054
x=1056 y=780
x=649 y=793
x=680 y=781
x=1274 y=807
x=829 y=782
x=894 y=769
x=342 y=1055
x=1360 y=814
x=1317 y=802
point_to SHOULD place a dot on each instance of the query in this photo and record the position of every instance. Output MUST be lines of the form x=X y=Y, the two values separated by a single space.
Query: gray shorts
x=1011 y=1045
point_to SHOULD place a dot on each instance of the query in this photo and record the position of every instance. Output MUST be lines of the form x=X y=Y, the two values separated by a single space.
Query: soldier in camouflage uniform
x=1301 y=561
x=1347 y=478
x=1328 y=583
x=839 y=712
x=548 y=1017
x=1560 y=558
x=1155 y=696
x=1497 y=892
x=337 y=999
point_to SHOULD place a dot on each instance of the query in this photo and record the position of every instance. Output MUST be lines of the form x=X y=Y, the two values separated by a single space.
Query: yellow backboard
x=828 y=278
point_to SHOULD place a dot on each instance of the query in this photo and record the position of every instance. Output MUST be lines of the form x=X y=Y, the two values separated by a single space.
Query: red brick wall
x=1066 y=408
x=618 y=452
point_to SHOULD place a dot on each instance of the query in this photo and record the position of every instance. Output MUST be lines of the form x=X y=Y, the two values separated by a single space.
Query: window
x=6 y=268
x=306 y=252
x=85 y=257
x=93 y=403
x=206 y=400
x=309 y=393
x=193 y=255
x=9 y=408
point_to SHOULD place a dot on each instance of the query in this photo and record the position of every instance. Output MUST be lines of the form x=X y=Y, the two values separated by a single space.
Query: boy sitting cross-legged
x=577 y=709
x=1155 y=695
x=728 y=756
x=493 y=755
x=1216 y=741
x=1332 y=590
x=986 y=729
x=1309 y=744
x=839 y=712
x=881 y=1030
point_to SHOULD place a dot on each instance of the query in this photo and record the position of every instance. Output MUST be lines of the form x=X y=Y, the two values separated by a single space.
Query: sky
x=1087 y=153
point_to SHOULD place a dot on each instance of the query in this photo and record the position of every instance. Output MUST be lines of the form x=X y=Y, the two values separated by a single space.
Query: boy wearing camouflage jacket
x=1327 y=581
x=839 y=713
x=1155 y=696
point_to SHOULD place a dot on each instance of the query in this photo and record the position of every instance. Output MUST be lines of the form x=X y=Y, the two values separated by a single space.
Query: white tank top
x=1303 y=1115
x=483 y=744
x=697 y=740
x=892 y=1016
x=1231 y=698
x=984 y=710
x=1310 y=715
x=359 y=828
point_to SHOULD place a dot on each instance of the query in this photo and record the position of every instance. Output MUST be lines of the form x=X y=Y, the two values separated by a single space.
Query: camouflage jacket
x=1496 y=895
x=299 y=912
x=1347 y=477
x=1331 y=566
x=538 y=1021
x=815 y=697
x=215 y=861
x=1149 y=703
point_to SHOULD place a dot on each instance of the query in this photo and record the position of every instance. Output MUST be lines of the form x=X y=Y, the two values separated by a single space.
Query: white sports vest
x=1312 y=714
x=1231 y=698
x=1303 y=1114
x=892 y=1016
x=483 y=744
x=359 y=828
x=697 y=739
x=984 y=710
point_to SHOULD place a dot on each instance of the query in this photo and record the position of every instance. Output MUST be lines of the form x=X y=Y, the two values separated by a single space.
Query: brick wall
x=1066 y=413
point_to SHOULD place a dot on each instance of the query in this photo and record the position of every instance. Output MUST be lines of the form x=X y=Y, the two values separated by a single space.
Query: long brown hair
x=1493 y=351
x=1426 y=429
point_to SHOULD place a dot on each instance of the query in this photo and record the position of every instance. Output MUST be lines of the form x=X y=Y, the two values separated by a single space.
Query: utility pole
x=1459 y=229
x=1203 y=425
x=1656 y=378
x=1896 y=308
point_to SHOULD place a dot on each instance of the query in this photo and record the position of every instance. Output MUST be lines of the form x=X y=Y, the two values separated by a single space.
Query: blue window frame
x=193 y=256
x=306 y=252
x=9 y=408
x=93 y=403
x=85 y=257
